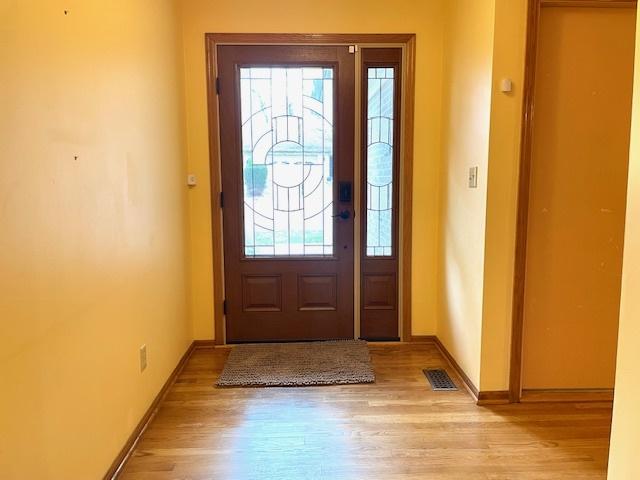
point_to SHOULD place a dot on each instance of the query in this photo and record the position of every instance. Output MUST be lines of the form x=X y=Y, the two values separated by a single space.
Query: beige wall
x=92 y=250
x=374 y=16
x=577 y=198
x=624 y=462
x=467 y=75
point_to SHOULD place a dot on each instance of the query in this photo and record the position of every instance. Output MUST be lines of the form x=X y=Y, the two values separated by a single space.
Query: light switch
x=192 y=180
x=473 y=177
x=143 y=358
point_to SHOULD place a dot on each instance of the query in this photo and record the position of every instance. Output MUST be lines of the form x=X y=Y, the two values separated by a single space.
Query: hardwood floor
x=396 y=428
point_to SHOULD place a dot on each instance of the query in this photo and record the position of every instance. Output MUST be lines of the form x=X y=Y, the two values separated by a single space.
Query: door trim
x=407 y=42
x=526 y=144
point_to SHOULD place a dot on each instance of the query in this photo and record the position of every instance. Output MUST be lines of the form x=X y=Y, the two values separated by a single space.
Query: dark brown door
x=287 y=132
x=381 y=77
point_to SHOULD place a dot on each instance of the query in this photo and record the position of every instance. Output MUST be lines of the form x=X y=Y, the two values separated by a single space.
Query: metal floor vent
x=440 y=380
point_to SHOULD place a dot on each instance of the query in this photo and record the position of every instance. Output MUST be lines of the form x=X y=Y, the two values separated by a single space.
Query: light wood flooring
x=396 y=428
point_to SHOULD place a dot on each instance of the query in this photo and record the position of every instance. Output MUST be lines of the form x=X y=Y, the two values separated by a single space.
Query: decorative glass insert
x=287 y=155
x=379 y=193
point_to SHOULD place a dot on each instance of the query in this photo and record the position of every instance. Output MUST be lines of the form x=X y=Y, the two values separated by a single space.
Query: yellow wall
x=468 y=51
x=577 y=199
x=624 y=462
x=504 y=157
x=372 y=16
x=485 y=43
x=92 y=250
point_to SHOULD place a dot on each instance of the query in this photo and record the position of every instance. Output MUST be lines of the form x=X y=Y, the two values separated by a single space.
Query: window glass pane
x=379 y=188
x=287 y=155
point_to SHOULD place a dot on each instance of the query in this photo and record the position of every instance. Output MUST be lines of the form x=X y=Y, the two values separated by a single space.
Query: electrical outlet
x=473 y=177
x=143 y=358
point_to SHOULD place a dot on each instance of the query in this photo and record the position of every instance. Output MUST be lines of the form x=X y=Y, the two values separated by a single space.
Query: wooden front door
x=287 y=144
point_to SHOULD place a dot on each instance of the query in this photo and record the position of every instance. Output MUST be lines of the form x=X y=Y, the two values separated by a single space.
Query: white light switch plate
x=473 y=177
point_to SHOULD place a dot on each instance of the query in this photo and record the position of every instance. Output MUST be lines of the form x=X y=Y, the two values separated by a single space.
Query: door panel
x=379 y=291
x=286 y=126
x=577 y=198
x=262 y=293
x=317 y=292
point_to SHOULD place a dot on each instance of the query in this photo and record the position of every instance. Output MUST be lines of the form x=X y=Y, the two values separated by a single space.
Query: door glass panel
x=379 y=193
x=287 y=160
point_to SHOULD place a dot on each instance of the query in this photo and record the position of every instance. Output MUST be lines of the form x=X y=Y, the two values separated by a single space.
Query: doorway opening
x=572 y=199
x=310 y=176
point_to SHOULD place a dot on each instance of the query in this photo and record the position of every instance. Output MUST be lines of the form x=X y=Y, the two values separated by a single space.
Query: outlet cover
x=143 y=358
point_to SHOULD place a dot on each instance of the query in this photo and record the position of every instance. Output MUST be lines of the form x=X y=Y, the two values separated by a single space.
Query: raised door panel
x=261 y=293
x=317 y=292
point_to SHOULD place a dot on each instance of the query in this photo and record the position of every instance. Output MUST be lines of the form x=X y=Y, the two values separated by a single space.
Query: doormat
x=298 y=364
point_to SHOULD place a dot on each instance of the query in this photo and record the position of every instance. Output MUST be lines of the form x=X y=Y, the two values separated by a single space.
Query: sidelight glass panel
x=287 y=160
x=379 y=185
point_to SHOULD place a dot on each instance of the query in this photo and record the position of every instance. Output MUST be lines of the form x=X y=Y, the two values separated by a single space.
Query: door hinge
x=221 y=199
x=224 y=307
x=217 y=85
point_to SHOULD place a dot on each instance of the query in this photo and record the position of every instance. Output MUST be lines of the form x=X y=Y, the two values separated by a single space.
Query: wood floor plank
x=396 y=428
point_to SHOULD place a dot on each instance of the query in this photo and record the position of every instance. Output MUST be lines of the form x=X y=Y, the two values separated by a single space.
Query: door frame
x=526 y=145
x=407 y=43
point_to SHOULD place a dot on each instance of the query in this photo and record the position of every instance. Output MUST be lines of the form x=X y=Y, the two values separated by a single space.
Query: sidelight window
x=380 y=161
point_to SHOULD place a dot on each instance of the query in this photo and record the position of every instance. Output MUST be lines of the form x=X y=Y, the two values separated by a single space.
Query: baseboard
x=473 y=390
x=493 y=397
x=204 y=344
x=132 y=441
x=567 y=395
x=422 y=339
x=497 y=397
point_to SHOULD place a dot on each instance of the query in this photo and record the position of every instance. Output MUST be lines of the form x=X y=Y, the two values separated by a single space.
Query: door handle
x=344 y=215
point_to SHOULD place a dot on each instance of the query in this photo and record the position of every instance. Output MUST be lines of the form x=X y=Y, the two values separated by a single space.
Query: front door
x=287 y=145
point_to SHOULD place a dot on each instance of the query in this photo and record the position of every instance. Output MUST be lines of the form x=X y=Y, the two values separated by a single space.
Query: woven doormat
x=298 y=364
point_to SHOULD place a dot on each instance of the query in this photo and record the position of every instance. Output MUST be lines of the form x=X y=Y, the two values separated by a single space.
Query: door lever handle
x=344 y=214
